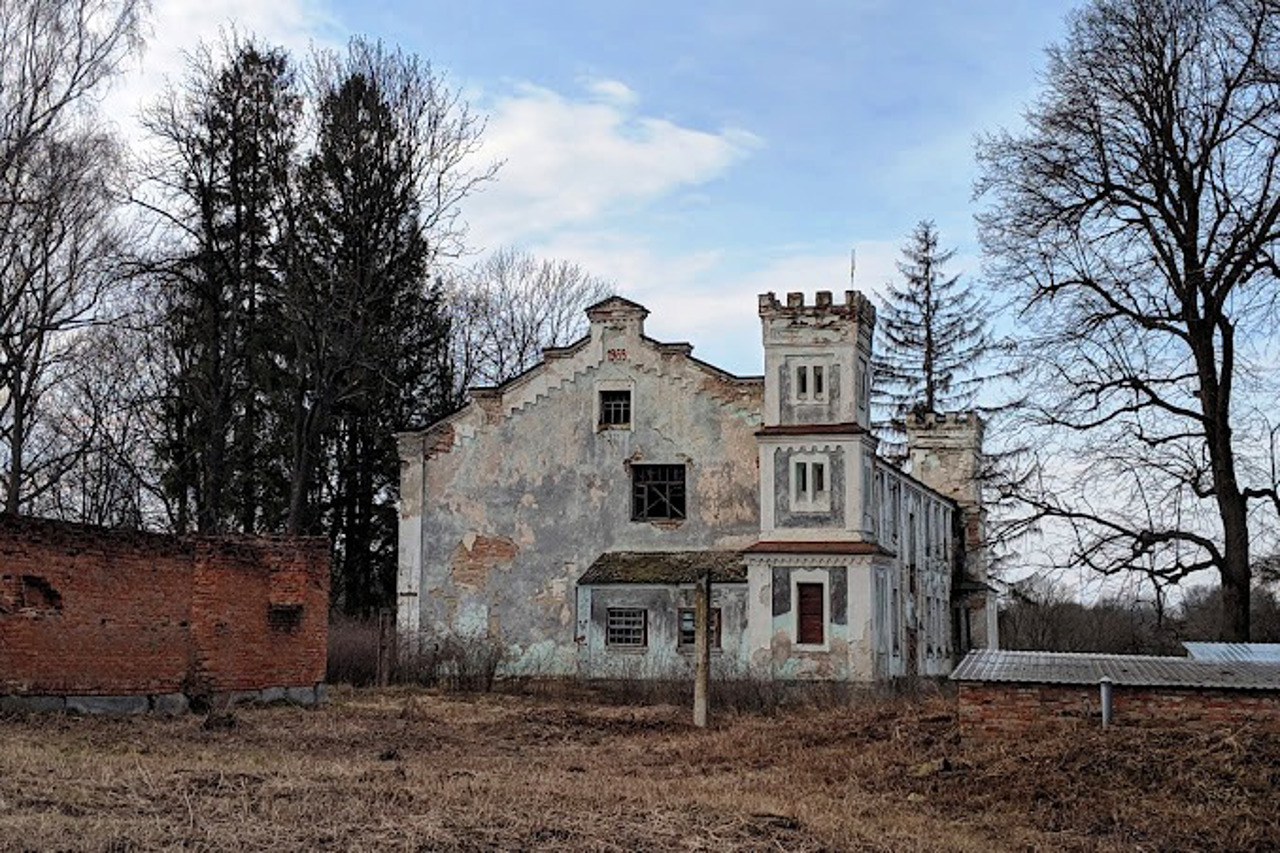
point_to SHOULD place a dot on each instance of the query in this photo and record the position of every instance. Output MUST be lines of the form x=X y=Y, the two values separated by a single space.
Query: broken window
x=284 y=617
x=689 y=630
x=811 y=619
x=36 y=593
x=615 y=408
x=657 y=492
x=627 y=627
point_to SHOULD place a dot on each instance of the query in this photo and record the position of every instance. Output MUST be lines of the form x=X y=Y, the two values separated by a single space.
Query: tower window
x=809 y=484
x=810 y=383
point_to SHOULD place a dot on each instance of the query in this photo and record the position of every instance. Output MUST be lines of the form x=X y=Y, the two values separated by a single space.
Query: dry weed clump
x=405 y=768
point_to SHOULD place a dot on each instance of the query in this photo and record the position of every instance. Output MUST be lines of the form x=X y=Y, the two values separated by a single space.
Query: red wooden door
x=811 y=616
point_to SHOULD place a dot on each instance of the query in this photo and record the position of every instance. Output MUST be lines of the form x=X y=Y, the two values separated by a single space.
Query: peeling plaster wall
x=663 y=657
x=915 y=526
x=507 y=503
x=848 y=651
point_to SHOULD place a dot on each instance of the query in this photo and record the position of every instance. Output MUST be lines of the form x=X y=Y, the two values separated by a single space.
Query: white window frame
x=809 y=500
x=799 y=576
x=810 y=396
x=613 y=385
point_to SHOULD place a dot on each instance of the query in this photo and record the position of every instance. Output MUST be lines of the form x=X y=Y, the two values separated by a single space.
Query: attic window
x=615 y=409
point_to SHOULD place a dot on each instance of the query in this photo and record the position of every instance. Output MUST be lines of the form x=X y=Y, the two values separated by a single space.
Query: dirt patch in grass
x=403 y=769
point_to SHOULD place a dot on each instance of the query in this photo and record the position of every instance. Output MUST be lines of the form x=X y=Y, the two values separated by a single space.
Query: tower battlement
x=855 y=304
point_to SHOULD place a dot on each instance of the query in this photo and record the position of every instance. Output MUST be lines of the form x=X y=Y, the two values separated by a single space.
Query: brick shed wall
x=1009 y=708
x=92 y=611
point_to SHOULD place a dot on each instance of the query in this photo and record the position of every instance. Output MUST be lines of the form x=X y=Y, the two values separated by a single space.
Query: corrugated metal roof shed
x=1238 y=652
x=1131 y=670
x=665 y=567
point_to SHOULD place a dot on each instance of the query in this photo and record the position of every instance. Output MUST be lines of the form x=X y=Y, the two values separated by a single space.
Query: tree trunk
x=17 y=447
x=1235 y=572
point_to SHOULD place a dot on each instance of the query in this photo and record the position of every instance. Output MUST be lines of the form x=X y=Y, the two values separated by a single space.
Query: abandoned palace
x=568 y=512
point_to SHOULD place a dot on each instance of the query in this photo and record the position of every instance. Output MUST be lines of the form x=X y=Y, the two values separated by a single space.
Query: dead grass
x=405 y=769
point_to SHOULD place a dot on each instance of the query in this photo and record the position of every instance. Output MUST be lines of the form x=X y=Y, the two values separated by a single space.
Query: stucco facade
x=568 y=511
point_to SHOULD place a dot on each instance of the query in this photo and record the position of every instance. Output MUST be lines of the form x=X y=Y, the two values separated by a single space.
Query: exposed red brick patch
x=471 y=566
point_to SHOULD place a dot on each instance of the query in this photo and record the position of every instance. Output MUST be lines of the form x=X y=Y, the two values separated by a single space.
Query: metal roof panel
x=1129 y=670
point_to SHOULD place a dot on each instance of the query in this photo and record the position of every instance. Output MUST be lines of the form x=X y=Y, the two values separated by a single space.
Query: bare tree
x=1135 y=222
x=106 y=405
x=509 y=307
x=59 y=239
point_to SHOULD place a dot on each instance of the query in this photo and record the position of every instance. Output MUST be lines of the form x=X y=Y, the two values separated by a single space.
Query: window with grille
x=627 y=627
x=811 y=618
x=615 y=408
x=689 y=629
x=657 y=492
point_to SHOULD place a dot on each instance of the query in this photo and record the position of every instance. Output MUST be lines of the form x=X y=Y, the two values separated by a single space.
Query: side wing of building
x=615 y=444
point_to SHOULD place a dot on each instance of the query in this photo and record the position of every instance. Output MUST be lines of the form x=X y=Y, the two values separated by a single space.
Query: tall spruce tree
x=227 y=139
x=931 y=333
x=369 y=333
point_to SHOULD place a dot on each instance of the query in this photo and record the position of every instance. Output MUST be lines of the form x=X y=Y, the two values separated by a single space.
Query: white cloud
x=612 y=90
x=177 y=28
x=570 y=161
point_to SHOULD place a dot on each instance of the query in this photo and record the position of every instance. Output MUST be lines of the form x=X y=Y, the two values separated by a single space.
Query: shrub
x=353 y=651
x=452 y=662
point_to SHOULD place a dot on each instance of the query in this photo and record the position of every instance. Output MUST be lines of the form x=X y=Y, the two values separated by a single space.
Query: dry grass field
x=399 y=769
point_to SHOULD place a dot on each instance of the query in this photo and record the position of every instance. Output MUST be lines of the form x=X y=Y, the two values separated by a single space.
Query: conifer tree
x=931 y=333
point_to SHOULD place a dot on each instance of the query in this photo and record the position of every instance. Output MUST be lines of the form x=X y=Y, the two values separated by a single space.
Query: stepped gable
x=564 y=366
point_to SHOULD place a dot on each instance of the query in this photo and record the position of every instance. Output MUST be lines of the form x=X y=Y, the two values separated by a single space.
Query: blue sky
x=697 y=153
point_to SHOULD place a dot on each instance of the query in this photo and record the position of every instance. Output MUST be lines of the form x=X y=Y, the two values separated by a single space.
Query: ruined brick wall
x=987 y=708
x=91 y=611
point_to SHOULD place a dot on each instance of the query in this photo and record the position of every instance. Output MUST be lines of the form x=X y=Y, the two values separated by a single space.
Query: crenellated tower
x=816 y=445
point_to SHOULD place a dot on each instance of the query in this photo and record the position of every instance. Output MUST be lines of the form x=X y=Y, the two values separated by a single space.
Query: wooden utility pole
x=386 y=645
x=702 y=648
